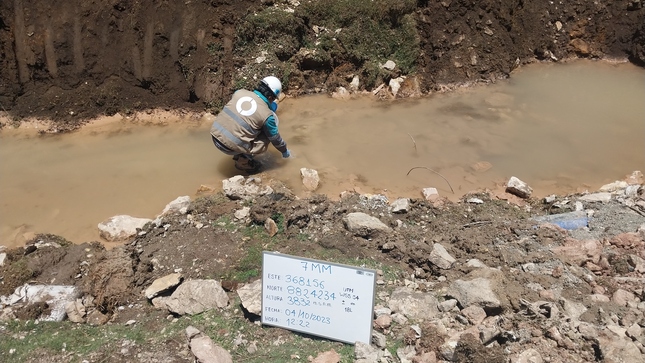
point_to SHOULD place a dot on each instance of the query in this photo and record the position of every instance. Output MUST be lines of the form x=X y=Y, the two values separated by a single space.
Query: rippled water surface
x=561 y=128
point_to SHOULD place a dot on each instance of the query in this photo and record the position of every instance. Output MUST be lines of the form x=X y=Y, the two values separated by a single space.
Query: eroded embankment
x=78 y=60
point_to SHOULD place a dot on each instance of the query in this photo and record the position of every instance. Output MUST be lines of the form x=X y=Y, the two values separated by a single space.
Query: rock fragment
x=518 y=188
x=310 y=179
x=121 y=227
x=204 y=349
x=271 y=227
x=196 y=296
x=251 y=297
x=162 y=284
x=364 y=225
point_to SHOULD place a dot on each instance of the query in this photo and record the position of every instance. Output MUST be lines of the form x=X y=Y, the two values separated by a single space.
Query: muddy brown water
x=562 y=128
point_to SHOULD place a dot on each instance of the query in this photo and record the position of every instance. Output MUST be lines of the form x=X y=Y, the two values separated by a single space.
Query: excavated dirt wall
x=74 y=60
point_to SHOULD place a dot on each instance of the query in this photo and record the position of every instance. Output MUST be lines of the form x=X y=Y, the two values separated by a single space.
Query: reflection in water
x=560 y=128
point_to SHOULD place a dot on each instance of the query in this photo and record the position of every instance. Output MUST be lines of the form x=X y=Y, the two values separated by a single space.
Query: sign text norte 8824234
x=319 y=298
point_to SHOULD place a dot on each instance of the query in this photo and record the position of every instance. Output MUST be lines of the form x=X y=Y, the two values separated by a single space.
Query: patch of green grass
x=242 y=82
x=394 y=345
x=21 y=338
x=225 y=327
x=225 y=222
x=369 y=31
x=280 y=30
x=365 y=33
x=303 y=237
x=214 y=48
x=250 y=265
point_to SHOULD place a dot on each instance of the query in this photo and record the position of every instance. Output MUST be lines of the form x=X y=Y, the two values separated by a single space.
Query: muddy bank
x=495 y=284
x=78 y=60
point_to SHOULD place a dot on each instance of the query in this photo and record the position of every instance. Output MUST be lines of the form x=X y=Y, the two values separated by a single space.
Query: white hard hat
x=274 y=84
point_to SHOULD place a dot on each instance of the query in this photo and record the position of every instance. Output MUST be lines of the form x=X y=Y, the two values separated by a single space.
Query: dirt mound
x=537 y=271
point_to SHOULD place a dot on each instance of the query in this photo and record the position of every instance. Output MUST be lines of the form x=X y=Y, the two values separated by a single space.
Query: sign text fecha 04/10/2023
x=319 y=298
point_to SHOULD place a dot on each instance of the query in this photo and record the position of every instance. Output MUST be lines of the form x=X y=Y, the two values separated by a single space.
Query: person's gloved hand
x=273 y=106
x=286 y=154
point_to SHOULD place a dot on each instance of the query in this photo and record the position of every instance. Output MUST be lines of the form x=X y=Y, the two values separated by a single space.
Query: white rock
x=447 y=350
x=447 y=305
x=310 y=178
x=75 y=311
x=251 y=297
x=355 y=83
x=341 y=93
x=56 y=296
x=528 y=356
x=413 y=304
x=243 y=213
x=364 y=225
x=121 y=227
x=519 y=188
x=162 y=284
x=612 y=187
x=430 y=194
x=596 y=197
x=477 y=291
x=440 y=257
x=389 y=65
x=395 y=84
x=238 y=187
x=401 y=205
x=475 y=263
x=204 y=349
x=178 y=205
x=196 y=296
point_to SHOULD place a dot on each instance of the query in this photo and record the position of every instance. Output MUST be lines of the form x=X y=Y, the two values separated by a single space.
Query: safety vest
x=240 y=122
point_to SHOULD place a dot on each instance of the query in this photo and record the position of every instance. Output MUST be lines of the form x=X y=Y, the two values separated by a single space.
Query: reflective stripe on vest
x=230 y=136
x=239 y=121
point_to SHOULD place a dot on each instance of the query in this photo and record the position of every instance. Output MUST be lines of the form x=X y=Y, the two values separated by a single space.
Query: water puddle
x=561 y=128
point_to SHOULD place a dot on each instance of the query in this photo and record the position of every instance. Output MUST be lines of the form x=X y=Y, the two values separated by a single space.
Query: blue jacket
x=271 y=125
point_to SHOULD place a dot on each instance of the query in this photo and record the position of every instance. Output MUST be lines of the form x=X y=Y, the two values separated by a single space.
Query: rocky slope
x=481 y=280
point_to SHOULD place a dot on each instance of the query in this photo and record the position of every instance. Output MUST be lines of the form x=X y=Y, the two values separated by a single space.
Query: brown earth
x=77 y=60
x=73 y=61
x=209 y=243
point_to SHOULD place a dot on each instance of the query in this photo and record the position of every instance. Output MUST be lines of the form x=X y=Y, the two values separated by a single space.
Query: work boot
x=246 y=163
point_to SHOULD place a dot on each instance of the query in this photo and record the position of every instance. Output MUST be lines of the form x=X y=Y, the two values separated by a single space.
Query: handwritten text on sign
x=318 y=298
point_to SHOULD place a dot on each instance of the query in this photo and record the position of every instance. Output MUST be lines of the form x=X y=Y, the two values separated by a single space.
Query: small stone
x=401 y=205
x=430 y=194
x=383 y=321
x=519 y=188
x=310 y=178
x=271 y=227
x=389 y=65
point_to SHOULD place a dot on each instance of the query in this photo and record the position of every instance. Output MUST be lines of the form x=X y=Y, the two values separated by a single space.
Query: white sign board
x=318 y=298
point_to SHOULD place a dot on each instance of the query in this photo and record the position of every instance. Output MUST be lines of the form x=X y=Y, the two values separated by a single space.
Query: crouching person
x=248 y=123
